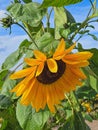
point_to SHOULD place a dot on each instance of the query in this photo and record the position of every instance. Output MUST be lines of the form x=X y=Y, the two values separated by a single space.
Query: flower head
x=47 y=79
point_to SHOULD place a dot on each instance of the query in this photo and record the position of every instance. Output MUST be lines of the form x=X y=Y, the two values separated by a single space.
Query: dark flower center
x=47 y=77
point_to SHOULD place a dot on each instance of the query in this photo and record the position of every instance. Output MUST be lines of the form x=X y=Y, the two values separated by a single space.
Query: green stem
x=28 y=34
x=93 y=21
x=81 y=26
x=17 y=66
x=69 y=102
x=92 y=4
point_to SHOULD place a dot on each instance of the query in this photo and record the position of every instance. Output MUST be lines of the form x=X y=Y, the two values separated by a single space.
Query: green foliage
x=93 y=36
x=27 y=1
x=7 y=86
x=85 y=92
x=28 y=13
x=29 y=119
x=94 y=83
x=9 y=120
x=45 y=41
x=3 y=76
x=62 y=17
x=4 y=101
x=75 y=122
x=59 y=3
x=94 y=61
x=11 y=60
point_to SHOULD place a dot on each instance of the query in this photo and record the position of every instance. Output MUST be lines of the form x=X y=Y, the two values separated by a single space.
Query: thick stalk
x=29 y=34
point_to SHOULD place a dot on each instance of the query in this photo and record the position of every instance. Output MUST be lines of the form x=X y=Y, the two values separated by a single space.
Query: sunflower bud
x=7 y=22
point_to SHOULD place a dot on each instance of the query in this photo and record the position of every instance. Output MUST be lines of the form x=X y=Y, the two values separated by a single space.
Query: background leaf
x=9 y=119
x=12 y=59
x=3 y=76
x=7 y=86
x=27 y=13
x=59 y=3
x=94 y=60
x=4 y=101
x=62 y=17
x=75 y=122
x=85 y=92
x=27 y=1
x=29 y=119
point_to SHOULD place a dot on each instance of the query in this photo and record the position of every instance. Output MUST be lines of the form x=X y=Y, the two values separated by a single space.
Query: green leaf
x=85 y=92
x=27 y=13
x=29 y=119
x=59 y=3
x=47 y=43
x=93 y=36
x=27 y=1
x=64 y=32
x=44 y=41
x=94 y=60
x=3 y=76
x=7 y=86
x=84 y=31
x=36 y=32
x=9 y=118
x=94 y=83
x=4 y=101
x=88 y=117
x=16 y=1
x=75 y=122
x=61 y=17
x=12 y=59
x=73 y=98
x=25 y=43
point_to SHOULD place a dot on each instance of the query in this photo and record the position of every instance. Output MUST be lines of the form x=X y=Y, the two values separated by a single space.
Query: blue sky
x=9 y=43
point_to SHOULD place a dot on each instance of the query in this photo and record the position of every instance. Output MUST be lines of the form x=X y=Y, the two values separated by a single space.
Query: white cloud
x=9 y=44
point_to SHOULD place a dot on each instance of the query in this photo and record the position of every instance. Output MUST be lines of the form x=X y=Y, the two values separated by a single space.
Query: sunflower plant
x=50 y=82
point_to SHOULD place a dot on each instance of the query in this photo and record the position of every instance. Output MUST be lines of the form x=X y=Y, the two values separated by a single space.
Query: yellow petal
x=71 y=79
x=61 y=47
x=27 y=95
x=80 y=56
x=34 y=92
x=56 y=97
x=40 y=69
x=20 y=84
x=32 y=61
x=81 y=64
x=77 y=58
x=59 y=53
x=22 y=73
x=52 y=65
x=69 y=62
x=39 y=98
x=59 y=91
x=39 y=55
x=23 y=85
x=70 y=49
x=44 y=99
x=50 y=99
x=78 y=72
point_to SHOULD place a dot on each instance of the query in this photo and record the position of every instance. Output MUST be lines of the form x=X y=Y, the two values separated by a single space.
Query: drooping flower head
x=47 y=79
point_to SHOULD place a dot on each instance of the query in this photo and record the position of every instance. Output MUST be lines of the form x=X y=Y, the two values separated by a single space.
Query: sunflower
x=47 y=79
